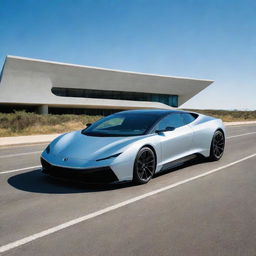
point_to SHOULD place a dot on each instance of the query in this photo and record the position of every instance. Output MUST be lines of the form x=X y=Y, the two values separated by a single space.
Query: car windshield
x=123 y=124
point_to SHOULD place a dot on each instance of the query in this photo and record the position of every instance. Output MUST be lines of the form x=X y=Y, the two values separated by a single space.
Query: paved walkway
x=239 y=123
x=32 y=139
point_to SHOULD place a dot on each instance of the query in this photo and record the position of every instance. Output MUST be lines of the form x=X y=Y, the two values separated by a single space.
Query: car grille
x=94 y=175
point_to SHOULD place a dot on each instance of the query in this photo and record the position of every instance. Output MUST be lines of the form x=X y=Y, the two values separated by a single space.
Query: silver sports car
x=133 y=145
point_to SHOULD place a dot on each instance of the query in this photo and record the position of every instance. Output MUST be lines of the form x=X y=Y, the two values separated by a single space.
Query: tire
x=217 y=146
x=144 y=166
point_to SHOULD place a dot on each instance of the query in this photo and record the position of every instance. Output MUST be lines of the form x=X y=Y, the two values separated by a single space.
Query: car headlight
x=112 y=156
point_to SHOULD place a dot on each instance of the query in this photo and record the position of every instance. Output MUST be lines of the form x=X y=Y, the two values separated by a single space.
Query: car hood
x=80 y=146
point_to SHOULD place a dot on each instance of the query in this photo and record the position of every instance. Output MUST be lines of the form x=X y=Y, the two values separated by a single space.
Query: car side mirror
x=89 y=124
x=167 y=129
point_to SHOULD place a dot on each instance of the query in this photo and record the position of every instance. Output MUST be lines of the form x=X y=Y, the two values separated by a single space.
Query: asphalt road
x=200 y=208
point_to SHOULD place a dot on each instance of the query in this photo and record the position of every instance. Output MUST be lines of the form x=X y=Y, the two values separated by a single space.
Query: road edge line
x=21 y=169
x=73 y=222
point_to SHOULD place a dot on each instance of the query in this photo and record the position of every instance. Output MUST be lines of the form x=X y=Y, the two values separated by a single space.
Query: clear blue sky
x=211 y=39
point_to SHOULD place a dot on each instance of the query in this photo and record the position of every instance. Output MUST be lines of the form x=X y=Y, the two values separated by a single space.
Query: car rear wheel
x=217 y=146
x=144 y=166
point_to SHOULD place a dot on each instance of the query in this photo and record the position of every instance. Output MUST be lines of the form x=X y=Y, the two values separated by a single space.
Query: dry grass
x=229 y=115
x=23 y=123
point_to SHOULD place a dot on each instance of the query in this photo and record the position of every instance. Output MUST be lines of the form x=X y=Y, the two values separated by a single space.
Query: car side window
x=110 y=123
x=189 y=117
x=173 y=120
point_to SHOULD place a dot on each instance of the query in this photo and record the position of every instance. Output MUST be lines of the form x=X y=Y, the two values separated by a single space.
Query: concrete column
x=43 y=110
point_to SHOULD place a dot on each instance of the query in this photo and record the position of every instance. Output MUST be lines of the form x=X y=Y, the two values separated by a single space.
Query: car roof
x=160 y=112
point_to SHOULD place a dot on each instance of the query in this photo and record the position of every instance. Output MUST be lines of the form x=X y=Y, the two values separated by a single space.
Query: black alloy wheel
x=217 y=146
x=144 y=166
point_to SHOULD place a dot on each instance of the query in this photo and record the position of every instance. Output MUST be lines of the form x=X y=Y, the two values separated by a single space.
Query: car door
x=176 y=143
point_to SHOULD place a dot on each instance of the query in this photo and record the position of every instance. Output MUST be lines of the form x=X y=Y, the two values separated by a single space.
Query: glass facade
x=83 y=111
x=171 y=100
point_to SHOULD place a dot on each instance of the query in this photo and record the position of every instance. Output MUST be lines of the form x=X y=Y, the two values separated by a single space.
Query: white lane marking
x=22 y=146
x=21 y=169
x=20 y=154
x=239 y=135
x=36 y=152
x=27 y=168
x=73 y=222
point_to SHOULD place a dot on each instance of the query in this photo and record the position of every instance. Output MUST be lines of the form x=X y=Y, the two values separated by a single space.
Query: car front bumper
x=91 y=175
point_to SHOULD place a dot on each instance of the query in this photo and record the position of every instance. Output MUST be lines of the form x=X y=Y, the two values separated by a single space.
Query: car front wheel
x=144 y=166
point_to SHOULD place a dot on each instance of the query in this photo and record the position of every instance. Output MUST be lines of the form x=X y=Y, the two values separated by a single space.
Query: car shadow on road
x=37 y=182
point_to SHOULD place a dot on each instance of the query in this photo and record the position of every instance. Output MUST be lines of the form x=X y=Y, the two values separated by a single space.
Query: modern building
x=59 y=87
